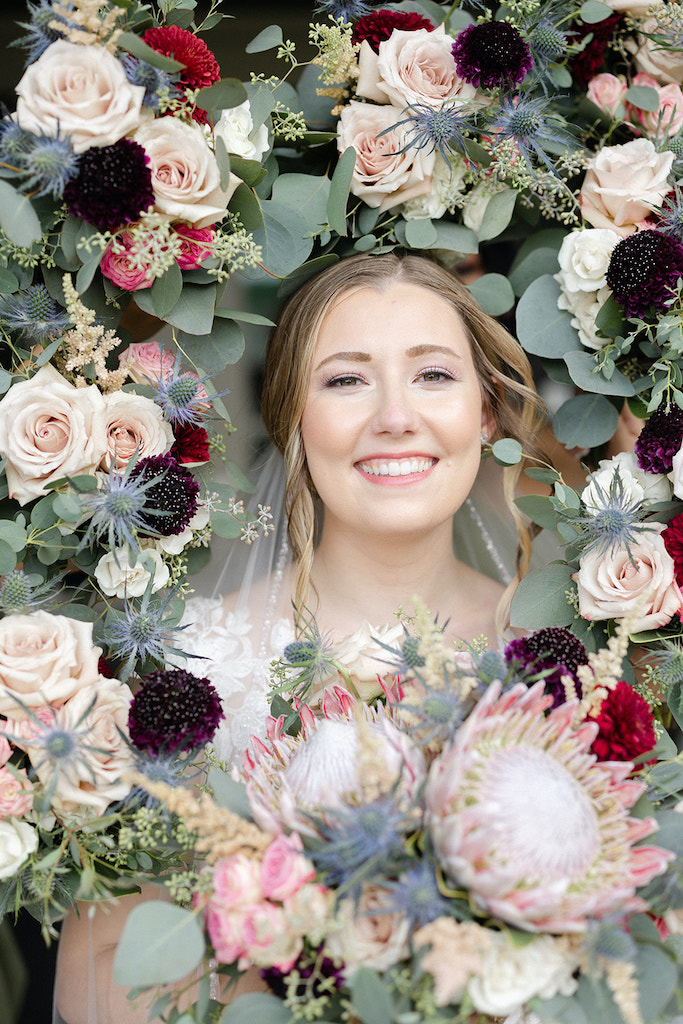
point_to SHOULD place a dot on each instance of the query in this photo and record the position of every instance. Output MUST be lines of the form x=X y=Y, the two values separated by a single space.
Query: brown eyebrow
x=364 y=357
x=424 y=350
x=354 y=357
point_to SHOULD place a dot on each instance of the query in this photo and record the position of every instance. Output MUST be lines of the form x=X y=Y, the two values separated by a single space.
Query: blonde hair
x=502 y=367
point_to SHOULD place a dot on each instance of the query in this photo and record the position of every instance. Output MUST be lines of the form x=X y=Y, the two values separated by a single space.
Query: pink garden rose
x=607 y=92
x=134 y=423
x=668 y=117
x=624 y=184
x=236 y=880
x=652 y=58
x=117 y=264
x=16 y=793
x=386 y=173
x=371 y=933
x=79 y=91
x=196 y=245
x=284 y=869
x=5 y=750
x=147 y=361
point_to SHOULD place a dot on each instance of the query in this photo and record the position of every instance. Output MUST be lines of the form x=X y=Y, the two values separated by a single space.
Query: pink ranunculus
x=147 y=362
x=624 y=184
x=607 y=92
x=116 y=264
x=16 y=793
x=283 y=868
x=668 y=117
x=196 y=245
x=236 y=881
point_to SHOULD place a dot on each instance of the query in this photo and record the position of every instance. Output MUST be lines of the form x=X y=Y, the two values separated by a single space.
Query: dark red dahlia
x=492 y=55
x=173 y=711
x=643 y=269
x=113 y=185
x=673 y=542
x=174 y=494
x=103 y=668
x=553 y=650
x=378 y=26
x=660 y=439
x=587 y=63
x=201 y=68
x=191 y=444
x=626 y=726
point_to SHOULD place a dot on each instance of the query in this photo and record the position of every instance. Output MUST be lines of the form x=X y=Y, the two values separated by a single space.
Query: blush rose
x=371 y=933
x=607 y=92
x=653 y=59
x=147 y=362
x=668 y=117
x=134 y=424
x=16 y=793
x=118 y=265
x=624 y=184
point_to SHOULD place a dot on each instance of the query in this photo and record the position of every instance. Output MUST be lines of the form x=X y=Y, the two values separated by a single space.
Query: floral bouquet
x=476 y=843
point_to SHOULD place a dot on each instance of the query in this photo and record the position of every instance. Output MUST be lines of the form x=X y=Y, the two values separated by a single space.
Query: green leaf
x=72 y=231
x=227 y=93
x=212 y=352
x=18 y=219
x=6 y=379
x=134 y=45
x=244 y=317
x=585 y=421
x=265 y=40
x=308 y=194
x=84 y=483
x=303 y=273
x=160 y=943
x=644 y=97
x=370 y=998
x=593 y=11
x=366 y=243
x=456 y=238
x=540 y=599
x=581 y=365
x=166 y=290
x=420 y=233
x=193 y=313
x=250 y=171
x=498 y=214
x=542 y=327
x=8 y=282
x=539 y=509
x=537 y=263
x=544 y=476
x=236 y=478
x=561 y=77
x=280 y=236
x=245 y=204
x=339 y=191
x=494 y=294
x=507 y=451
x=86 y=273
x=8 y=558
x=229 y=794
x=610 y=318
x=223 y=161
x=67 y=507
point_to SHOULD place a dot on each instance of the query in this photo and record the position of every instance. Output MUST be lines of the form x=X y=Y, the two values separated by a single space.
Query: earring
x=484 y=439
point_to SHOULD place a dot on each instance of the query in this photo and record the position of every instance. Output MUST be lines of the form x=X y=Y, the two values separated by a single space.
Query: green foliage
x=160 y=943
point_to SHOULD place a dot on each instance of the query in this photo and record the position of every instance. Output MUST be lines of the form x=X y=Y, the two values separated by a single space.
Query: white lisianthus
x=18 y=841
x=584 y=258
x=117 y=577
x=235 y=127
x=638 y=486
x=448 y=183
x=511 y=976
x=584 y=307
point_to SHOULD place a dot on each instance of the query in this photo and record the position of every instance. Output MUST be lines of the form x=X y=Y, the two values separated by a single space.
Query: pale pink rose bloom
x=310 y=911
x=49 y=429
x=117 y=265
x=641 y=581
x=134 y=424
x=624 y=184
x=147 y=362
x=5 y=748
x=236 y=881
x=44 y=658
x=412 y=67
x=371 y=934
x=384 y=175
x=283 y=869
x=196 y=245
x=633 y=6
x=607 y=92
x=664 y=65
x=81 y=92
x=270 y=941
x=668 y=117
x=16 y=793
x=227 y=932
x=185 y=174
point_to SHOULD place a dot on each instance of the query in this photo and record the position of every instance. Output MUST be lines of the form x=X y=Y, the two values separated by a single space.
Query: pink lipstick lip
x=396 y=481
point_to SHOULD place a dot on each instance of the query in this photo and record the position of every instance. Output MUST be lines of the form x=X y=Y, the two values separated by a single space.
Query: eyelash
x=338 y=379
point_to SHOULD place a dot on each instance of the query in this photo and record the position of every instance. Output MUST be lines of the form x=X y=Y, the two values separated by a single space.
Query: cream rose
x=448 y=185
x=235 y=127
x=410 y=68
x=95 y=778
x=384 y=175
x=641 y=583
x=18 y=841
x=512 y=975
x=49 y=429
x=624 y=184
x=118 y=577
x=638 y=486
x=584 y=307
x=607 y=92
x=651 y=58
x=44 y=659
x=185 y=174
x=79 y=91
x=364 y=659
x=584 y=258
x=474 y=213
x=134 y=423
x=370 y=934
x=676 y=474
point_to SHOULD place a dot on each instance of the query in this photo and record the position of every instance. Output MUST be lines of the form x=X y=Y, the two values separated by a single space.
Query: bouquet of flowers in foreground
x=479 y=840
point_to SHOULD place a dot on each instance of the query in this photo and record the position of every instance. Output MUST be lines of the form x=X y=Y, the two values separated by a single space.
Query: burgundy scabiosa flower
x=492 y=55
x=554 y=650
x=113 y=185
x=673 y=542
x=191 y=444
x=378 y=26
x=643 y=270
x=625 y=723
x=171 y=501
x=660 y=439
x=201 y=68
x=173 y=710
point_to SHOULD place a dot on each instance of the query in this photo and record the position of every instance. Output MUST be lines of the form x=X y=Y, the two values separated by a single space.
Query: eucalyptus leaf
x=538 y=509
x=507 y=451
x=223 y=95
x=236 y=478
x=303 y=273
x=540 y=599
x=339 y=191
x=229 y=794
x=193 y=313
x=593 y=12
x=420 y=233
x=223 y=161
x=67 y=507
x=160 y=943
x=8 y=558
x=134 y=45
x=284 y=247
x=610 y=318
x=245 y=204
x=256 y=1008
x=455 y=238
x=6 y=378
x=498 y=214
x=244 y=317
x=269 y=38
x=643 y=97
x=9 y=282
x=213 y=351
x=18 y=219
x=494 y=294
x=86 y=273
x=250 y=171
x=582 y=366
x=542 y=327
x=585 y=421
x=370 y=997
x=537 y=263
x=308 y=194
x=166 y=290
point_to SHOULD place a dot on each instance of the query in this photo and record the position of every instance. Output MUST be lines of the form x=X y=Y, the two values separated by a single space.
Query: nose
x=396 y=412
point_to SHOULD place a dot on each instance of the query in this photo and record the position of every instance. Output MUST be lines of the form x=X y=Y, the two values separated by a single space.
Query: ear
x=488 y=420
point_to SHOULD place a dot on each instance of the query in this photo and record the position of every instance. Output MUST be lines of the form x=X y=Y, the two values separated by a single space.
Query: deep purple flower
x=643 y=271
x=660 y=439
x=304 y=966
x=174 y=495
x=492 y=55
x=553 y=648
x=113 y=185
x=173 y=711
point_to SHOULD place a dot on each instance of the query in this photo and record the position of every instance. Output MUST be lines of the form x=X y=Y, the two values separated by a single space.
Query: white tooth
x=406 y=468
x=394 y=469
x=383 y=469
x=415 y=466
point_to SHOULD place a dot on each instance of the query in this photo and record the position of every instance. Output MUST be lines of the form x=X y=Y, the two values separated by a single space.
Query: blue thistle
x=668 y=660
x=526 y=122
x=15 y=142
x=168 y=769
x=33 y=314
x=49 y=165
x=615 y=521
x=416 y=895
x=118 y=510
x=347 y=10
x=142 y=632
x=154 y=80
x=428 y=128
x=308 y=660
x=40 y=30
x=439 y=713
x=671 y=214
x=21 y=592
x=675 y=146
x=180 y=397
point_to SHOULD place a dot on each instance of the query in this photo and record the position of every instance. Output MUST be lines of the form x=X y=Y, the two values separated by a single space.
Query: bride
x=383 y=380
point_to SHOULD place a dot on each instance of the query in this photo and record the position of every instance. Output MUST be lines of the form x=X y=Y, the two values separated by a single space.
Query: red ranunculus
x=626 y=726
x=587 y=63
x=673 y=542
x=379 y=25
x=201 y=68
x=191 y=444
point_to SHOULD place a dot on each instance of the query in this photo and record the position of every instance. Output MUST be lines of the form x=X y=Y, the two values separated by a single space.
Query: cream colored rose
x=512 y=975
x=79 y=91
x=653 y=59
x=448 y=185
x=624 y=184
x=676 y=474
x=479 y=198
x=386 y=173
x=370 y=933
x=412 y=68
x=95 y=777
x=49 y=429
x=18 y=841
x=638 y=486
x=117 y=576
x=134 y=423
x=584 y=258
x=641 y=584
x=185 y=175
x=365 y=660
x=44 y=659
x=235 y=127
x=632 y=6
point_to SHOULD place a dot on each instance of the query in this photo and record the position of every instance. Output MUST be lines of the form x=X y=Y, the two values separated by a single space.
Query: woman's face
x=393 y=420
